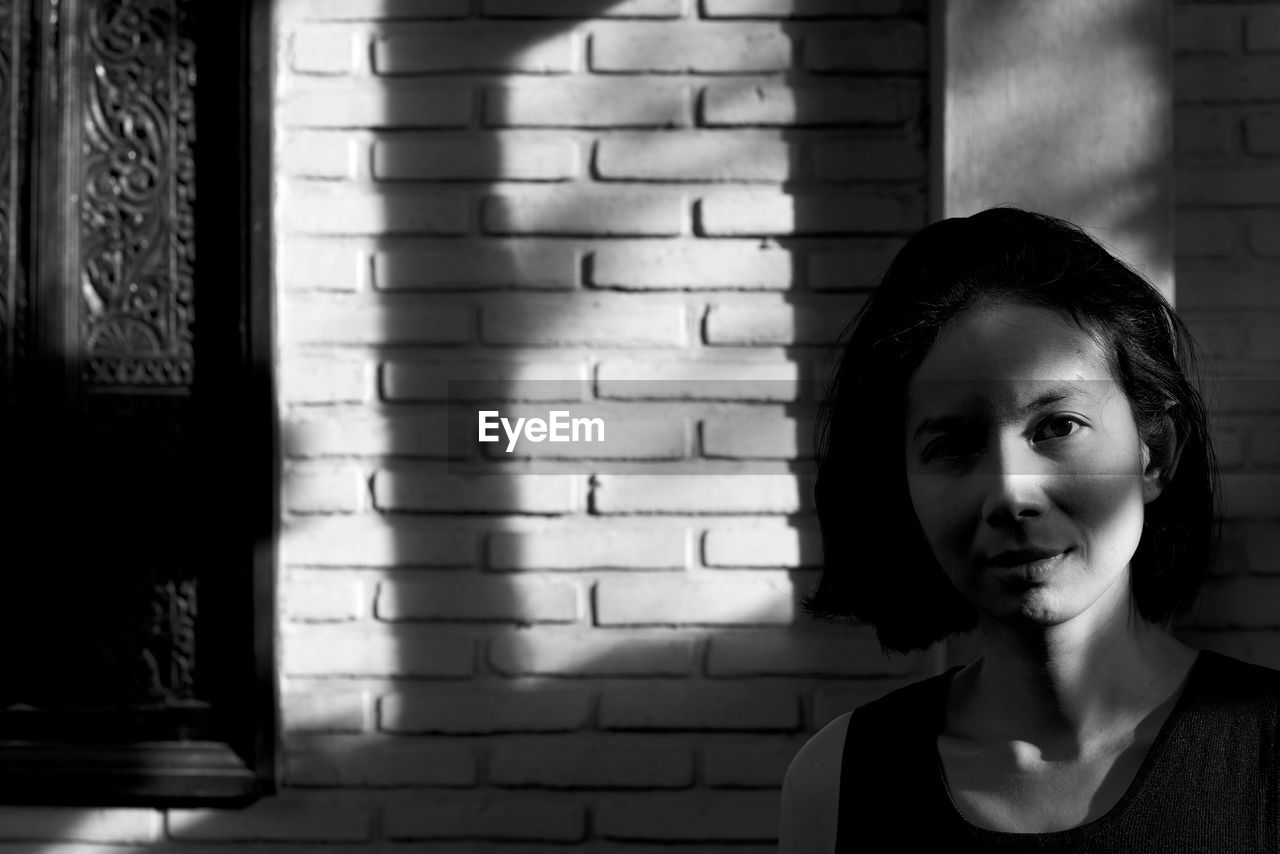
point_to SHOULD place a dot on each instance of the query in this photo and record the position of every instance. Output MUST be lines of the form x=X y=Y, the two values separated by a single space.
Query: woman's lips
x=1035 y=570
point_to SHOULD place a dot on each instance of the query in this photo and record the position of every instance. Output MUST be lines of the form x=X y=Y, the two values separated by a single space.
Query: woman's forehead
x=1011 y=343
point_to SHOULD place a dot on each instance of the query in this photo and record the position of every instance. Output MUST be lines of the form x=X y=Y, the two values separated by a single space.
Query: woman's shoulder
x=811 y=791
x=811 y=788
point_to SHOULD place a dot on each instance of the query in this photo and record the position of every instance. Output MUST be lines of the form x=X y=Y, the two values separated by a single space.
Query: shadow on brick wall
x=592 y=645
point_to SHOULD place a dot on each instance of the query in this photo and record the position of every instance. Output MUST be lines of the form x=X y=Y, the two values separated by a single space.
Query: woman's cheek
x=940 y=515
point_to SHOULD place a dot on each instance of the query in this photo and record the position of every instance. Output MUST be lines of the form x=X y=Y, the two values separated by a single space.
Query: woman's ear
x=1161 y=462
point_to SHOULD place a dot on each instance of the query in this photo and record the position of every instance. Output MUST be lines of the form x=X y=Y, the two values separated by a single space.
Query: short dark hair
x=877 y=566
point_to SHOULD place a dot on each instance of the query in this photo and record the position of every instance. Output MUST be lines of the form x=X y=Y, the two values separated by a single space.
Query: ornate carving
x=140 y=446
x=137 y=221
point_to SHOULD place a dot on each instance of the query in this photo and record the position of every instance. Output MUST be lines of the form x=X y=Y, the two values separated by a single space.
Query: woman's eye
x=951 y=448
x=1060 y=427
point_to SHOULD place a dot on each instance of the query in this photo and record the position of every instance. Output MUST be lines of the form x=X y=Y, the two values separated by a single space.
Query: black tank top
x=1209 y=783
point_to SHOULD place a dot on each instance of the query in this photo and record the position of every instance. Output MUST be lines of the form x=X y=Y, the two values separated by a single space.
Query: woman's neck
x=1070 y=689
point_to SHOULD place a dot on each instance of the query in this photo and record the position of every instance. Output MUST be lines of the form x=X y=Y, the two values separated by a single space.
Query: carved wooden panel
x=137 y=248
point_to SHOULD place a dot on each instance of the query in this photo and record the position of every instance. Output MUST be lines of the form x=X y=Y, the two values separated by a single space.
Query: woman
x=1011 y=445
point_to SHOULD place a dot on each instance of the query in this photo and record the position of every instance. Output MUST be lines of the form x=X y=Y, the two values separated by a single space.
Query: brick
x=316 y=597
x=693 y=265
x=324 y=379
x=511 y=818
x=696 y=156
x=577 y=321
x=582 y=9
x=429 y=490
x=860 y=266
x=585 y=213
x=325 y=155
x=1264 y=343
x=284 y=819
x=706 y=48
x=807 y=8
x=772 y=322
x=667 y=600
x=387 y=104
x=1262 y=545
x=78 y=824
x=1251 y=603
x=708 y=816
x=1262 y=31
x=590 y=654
x=777 y=654
x=1228 y=187
x=325 y=264
x=694 y=493
x=475 y=159
x=552 y=380
x=1205 y=29
x=471 y=598
x=747 y=766
x=1262 y=132
x=552 y=764
x=1250 y=496
x=1226 y=79
x=335 y=320
x=345 y=711
x=831 y=702
x=695 y=707
x=357 y=541
x=866 y=46
x=1204 y=132
x=322 y=50
x=587 y=103
x=653 y=379
x=378 y=9
x=1265 y=444
x=759 y=546
x=596 y=547
x=1206 y=284
x=739 y=213
x=323 y=491
x=768 y=104
x=476 y=266
x=348 y=213
x=478 y=711
x=1223 y=337
x=366 y=434
x=1203 y=234
x=865 y=160
x=1253 y=394
x=467 y=47
x=757 y=438
x=1228 y=446
x=362 y=761
x=346 y=651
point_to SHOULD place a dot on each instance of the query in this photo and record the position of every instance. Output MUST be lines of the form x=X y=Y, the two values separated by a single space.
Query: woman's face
x=1019 y=438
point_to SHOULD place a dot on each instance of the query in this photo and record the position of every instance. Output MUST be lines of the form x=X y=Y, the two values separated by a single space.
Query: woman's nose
x=1013 y=480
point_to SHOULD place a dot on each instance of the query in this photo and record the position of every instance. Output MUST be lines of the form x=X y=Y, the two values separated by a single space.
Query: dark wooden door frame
x=234 y=760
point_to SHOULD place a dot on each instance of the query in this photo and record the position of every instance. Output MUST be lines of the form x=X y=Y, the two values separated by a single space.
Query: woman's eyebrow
x=942 y=423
